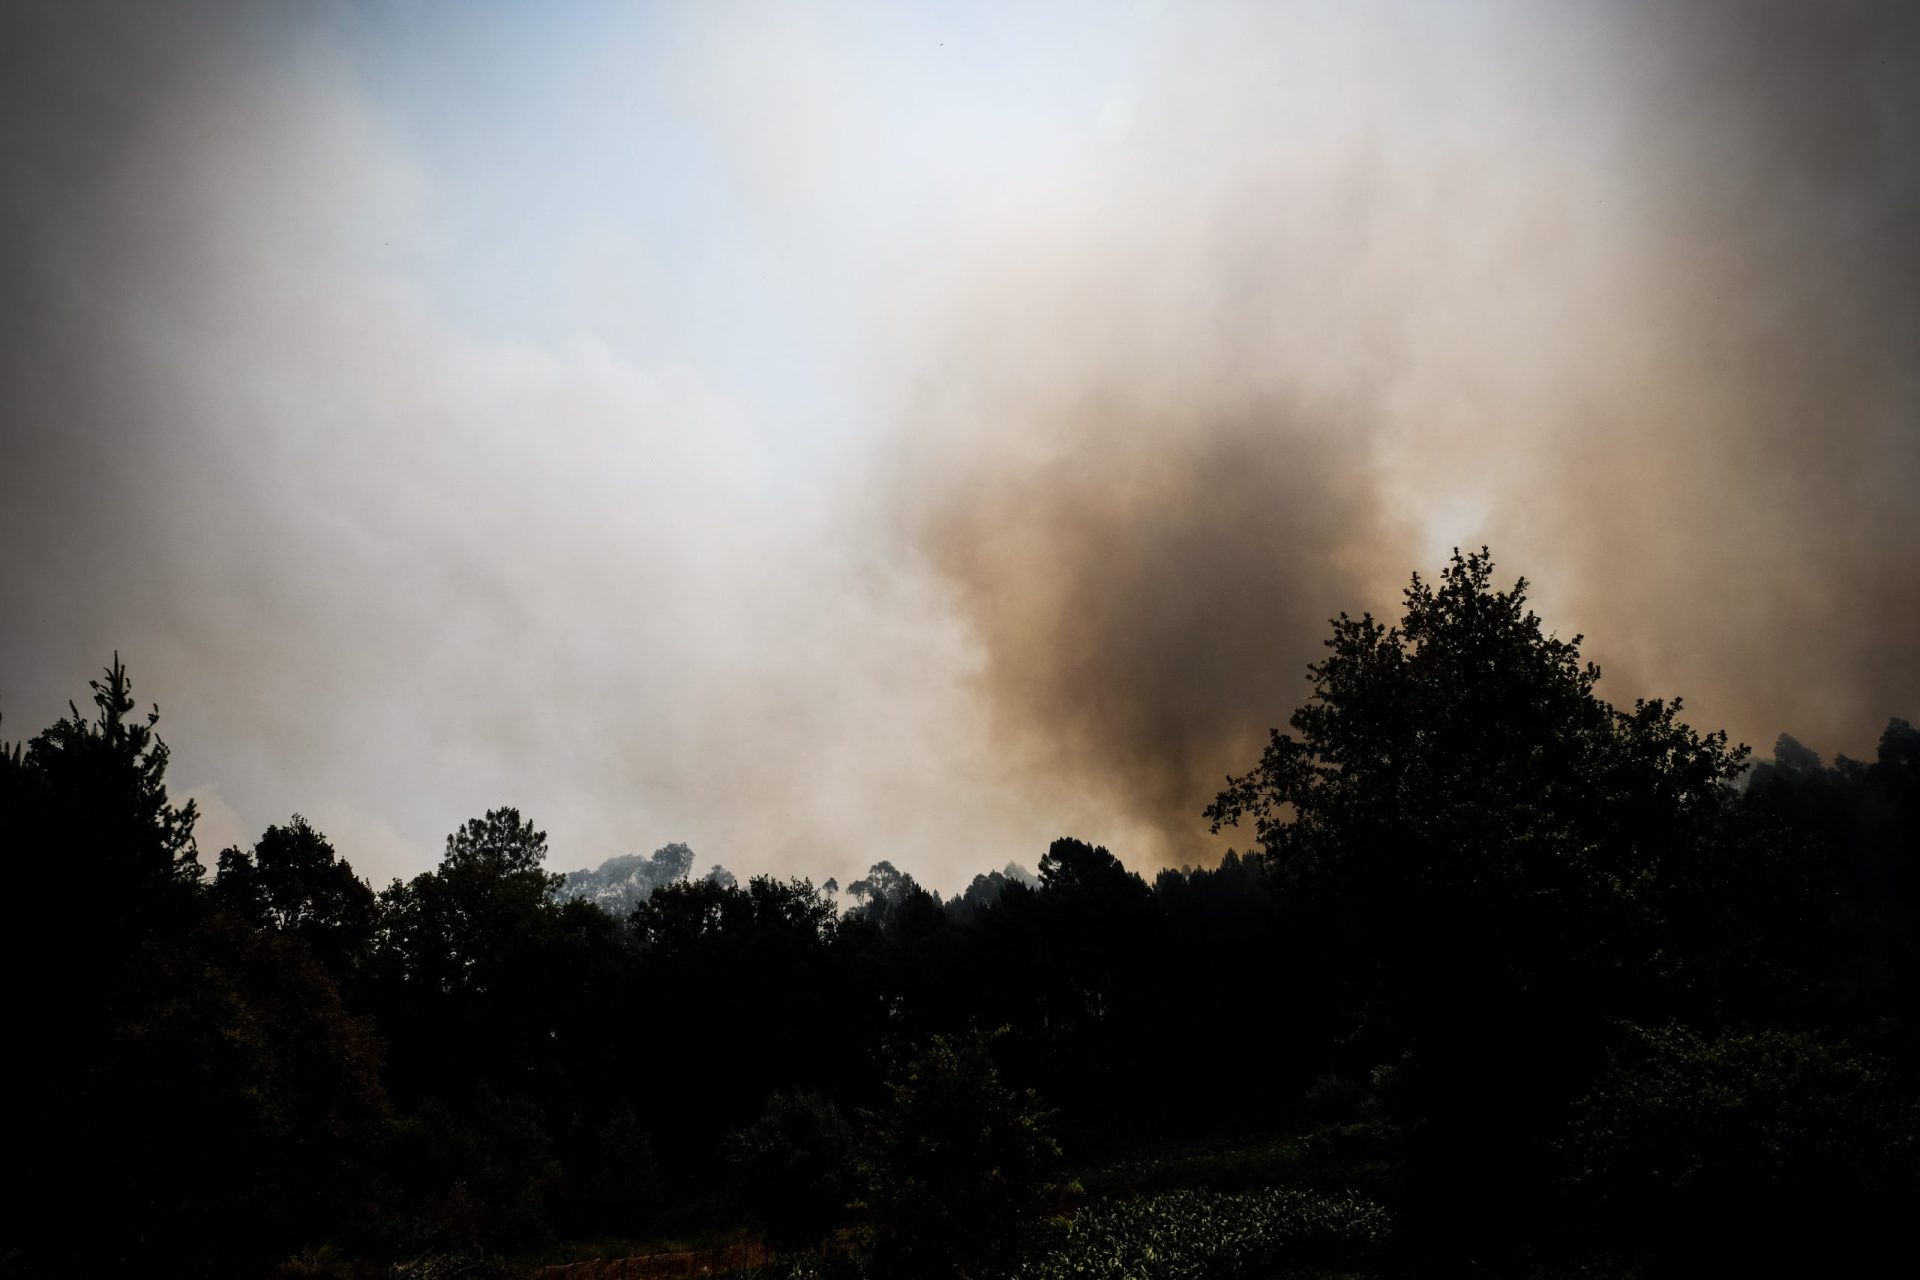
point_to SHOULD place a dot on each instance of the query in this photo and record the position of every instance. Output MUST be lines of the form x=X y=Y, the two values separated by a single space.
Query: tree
x=1511 y=860
x=959 y=1161
x=459 y=925
x=1458 y=788
x=500 y=844
x=794 y=1165
x=1076 y=869
x=890 y=898
x=292 y=882
x=1100 y=941
x=1765 y=1148
x=96 y=789
x=622 y=883
x=460 y=959
x=737 y=978
x=195 y=1082
x=1865 y=819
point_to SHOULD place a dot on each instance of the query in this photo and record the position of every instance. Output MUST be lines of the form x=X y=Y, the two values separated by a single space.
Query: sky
x=829 y=432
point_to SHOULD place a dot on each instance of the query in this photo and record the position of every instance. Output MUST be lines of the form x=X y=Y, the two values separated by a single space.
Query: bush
x=1769 y=1136
x=959 y=1162
x=795 y=1167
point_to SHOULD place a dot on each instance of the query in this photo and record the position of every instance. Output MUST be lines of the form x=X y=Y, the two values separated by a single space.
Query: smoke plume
x=1629 y=293
x=848 y=433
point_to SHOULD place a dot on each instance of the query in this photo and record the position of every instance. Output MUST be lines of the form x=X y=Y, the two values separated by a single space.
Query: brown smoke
x=1644 y=319
x=1133 y=592
x=1741 y=510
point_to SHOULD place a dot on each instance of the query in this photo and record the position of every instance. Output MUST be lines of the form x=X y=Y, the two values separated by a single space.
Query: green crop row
x=1200 y=1235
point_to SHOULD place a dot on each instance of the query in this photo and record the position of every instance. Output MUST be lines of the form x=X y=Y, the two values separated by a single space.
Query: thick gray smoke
x=1163 y=337
x=388 y=558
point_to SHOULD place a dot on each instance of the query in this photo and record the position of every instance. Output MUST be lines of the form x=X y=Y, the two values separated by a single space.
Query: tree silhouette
x=958 y=1160
x=1537 y=971
x=795 y=1166
x=196 y=1083
x=292 y=882
x=1510 y=859
x=459 y=955
x=100 y=784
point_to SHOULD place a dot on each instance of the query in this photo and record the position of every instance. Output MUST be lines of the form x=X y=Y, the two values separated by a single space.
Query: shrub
x=1768 y=1136
x=958 y=1162
x=795 y=1166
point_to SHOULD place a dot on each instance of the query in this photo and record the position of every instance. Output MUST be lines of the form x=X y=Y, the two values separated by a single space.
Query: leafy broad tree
x=292 y=882
x=1457 y=784
x=794 y=1166
x=959 y=1162
x=1511 y=861
x=1753 y=1150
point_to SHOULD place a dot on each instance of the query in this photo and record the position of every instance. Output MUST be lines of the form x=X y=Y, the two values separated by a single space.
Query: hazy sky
x=830 y=432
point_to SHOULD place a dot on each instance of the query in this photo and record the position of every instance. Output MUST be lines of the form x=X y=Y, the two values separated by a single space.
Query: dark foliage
x=1761 y=1147
x=1512 y=863
x=1545 y=981
x=292 y=883
x=795 y=1165
x=958 y=1163
x=189 y=1081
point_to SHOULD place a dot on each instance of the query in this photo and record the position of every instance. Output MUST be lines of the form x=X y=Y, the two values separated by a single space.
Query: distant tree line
x=1611 y=992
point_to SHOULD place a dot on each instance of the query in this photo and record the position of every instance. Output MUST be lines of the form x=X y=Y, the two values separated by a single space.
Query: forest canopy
x=1528 y=979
